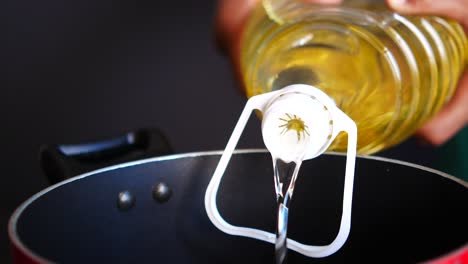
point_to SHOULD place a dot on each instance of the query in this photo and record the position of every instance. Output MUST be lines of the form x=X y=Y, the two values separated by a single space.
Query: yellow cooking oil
x=389 y=73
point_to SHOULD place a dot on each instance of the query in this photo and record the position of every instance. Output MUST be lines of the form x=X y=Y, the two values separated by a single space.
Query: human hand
x=454 y=115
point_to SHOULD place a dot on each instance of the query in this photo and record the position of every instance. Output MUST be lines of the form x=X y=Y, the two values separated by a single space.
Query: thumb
x=454 y=9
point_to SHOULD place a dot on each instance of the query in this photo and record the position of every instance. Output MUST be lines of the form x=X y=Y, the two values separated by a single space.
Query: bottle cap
x=296 y=125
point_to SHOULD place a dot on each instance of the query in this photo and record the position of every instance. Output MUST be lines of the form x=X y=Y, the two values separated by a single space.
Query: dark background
x=79 y=70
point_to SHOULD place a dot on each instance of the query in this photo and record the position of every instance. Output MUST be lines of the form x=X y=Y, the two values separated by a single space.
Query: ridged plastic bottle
x=389 y=73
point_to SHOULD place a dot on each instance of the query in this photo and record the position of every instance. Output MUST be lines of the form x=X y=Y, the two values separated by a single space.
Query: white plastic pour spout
x=299 y=123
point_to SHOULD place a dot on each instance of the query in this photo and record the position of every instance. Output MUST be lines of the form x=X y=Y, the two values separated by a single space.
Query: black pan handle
x=60 y=162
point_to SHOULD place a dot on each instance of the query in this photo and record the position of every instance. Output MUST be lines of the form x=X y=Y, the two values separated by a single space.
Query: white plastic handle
x=267 y=103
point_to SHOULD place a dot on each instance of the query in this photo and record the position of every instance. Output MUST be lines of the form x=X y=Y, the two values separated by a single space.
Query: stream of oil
x=285 y=175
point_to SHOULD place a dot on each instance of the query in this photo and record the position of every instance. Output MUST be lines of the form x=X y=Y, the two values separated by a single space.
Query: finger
x=451 y=119
x=230 y=19
x=455 y=9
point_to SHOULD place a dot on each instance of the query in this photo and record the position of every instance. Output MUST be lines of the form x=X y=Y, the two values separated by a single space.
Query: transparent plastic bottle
x=389 y=73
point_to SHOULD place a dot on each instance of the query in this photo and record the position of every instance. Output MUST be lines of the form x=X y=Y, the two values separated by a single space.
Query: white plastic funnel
x=322 y=122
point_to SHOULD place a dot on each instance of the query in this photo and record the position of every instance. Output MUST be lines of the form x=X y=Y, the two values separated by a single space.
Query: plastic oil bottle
x=389 y=73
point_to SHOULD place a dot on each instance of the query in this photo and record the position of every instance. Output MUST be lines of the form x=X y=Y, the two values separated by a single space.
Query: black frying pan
x=402 y=213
